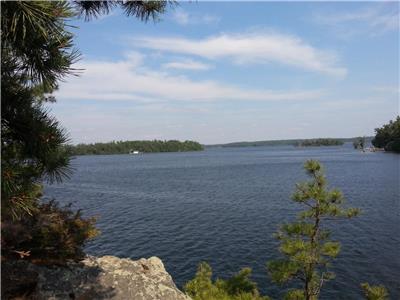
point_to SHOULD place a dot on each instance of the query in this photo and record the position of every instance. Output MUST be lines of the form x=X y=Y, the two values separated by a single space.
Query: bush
x=52 y=234
x=375 y=292
x=238 y=287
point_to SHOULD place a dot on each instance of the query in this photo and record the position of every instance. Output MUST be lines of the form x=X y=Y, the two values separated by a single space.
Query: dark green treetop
x=388 y=136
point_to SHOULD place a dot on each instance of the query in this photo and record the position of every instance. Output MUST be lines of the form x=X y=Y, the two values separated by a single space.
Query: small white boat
x=134 y=152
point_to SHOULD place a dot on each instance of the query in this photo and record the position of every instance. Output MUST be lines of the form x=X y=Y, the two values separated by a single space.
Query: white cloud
x=134 y=58
x=376 y=19
x=254 y=48
x=128 y=80
x=187 y=64
x=182 y=17
x=206 y=123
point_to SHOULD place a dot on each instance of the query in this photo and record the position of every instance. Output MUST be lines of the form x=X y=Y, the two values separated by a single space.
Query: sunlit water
x=223 y=206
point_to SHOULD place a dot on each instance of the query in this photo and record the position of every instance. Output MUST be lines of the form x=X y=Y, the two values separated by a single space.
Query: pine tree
x=305 y=243
x=238 y=287
x=37 y=52
x=375 y=292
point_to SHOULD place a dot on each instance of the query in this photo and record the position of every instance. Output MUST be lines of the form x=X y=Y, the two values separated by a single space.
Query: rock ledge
x=106 y=277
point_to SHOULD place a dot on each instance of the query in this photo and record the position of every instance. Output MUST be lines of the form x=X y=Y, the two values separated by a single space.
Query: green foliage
x=375 y=292
x=359 y=143
x=293 y=142
x=50 y=234
x=36 y=52
x=36 y=44
x=320 y=142
x=294 y=294
x=305 y=244
x=143 y=10
x=121 y=147
x=238 y=287
x=388 y=136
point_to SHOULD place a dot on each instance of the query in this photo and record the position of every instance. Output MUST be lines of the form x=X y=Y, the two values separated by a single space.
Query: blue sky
x=220 y=72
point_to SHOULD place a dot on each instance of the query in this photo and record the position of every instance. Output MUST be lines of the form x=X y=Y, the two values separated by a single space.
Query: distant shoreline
x=133 y=147
x=290 y=142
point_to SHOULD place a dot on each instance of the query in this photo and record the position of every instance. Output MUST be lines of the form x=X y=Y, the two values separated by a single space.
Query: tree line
x=388 y=136
x=319 y=142
x=292 y=142
x=125 y=147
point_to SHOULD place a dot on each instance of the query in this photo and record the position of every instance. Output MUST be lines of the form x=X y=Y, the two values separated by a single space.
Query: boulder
x=106 y=277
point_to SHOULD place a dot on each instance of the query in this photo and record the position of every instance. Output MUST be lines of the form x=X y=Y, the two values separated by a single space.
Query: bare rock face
x=106 y=277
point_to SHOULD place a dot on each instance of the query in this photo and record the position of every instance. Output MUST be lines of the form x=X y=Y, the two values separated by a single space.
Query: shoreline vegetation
x=292 y=142
x=388 y=136
x=126 y=147
x=157 y=146
x=320 y=142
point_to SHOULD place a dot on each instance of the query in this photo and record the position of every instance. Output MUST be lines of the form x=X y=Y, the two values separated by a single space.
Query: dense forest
x=125 y=147
x=320 y=142
x=388 y=136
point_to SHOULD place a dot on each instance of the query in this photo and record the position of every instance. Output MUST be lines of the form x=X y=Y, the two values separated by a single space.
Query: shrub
x=375 y=292
x=52 y=234
x=238 y=287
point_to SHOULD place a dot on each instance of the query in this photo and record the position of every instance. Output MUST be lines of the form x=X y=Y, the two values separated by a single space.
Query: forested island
x=292 y=142
x=320 y=142
x=125 y=147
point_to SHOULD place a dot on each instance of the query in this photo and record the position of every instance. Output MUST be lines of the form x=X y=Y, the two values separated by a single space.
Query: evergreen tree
x=238 y=287
x=143 y=10
x=388 y=136
x=37 y=52
x=375 y=292
x=305 y=243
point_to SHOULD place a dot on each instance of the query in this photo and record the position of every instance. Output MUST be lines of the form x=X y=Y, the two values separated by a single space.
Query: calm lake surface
x=223 y=206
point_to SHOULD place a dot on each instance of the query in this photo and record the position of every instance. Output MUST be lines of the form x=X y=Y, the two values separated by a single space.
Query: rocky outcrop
x=106 y=277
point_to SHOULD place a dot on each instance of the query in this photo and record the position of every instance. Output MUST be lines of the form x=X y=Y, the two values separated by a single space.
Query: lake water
x=223 y=206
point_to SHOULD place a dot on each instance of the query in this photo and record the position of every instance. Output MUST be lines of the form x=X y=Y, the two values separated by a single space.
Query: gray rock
x=107 y=277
